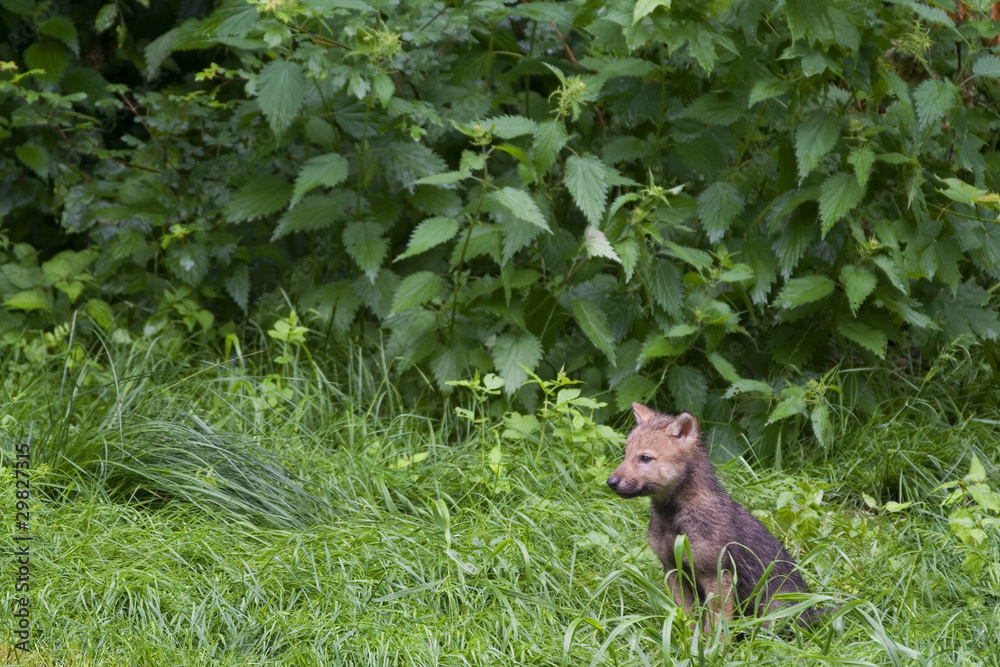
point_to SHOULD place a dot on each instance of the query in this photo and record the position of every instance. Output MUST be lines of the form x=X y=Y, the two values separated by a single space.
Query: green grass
x=210 y=516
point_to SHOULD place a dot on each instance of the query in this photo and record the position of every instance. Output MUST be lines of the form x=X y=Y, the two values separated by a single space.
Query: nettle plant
x=715 y=203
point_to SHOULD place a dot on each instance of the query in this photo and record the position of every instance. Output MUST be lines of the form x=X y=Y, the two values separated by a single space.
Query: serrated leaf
x=34 y=157
x=314 y=212
x=800 y=291
x=429 y=233
x=821 y=425
x=587 y=181
x=718 y=205
x=666 y=286
x=987 y=65
x=366 y=246
x=864 y=335
x=416 y=289
x=814 y=138
x=509 y=127
x=594 y=323
x=629 y=251
x=62 y=28
x=550 y=137
x=661 y=346
x=688 y=387
x=696 y=257
x=32 y=299
x=521 y=205
x=765 y=89
x=596 y=244
x=837 y=196
x=644 y=8
x=723 y=367
x=100 y=311
x=862 y=160
x=510 y=353
x=934 y=98
x=794 y=404
x=329 y=170
x=50 y=57
x=238 y=284
x=280 y=85
x=188 y=262
x=260 y=196
x=106 y=17
x=409 y=161
x=746 y=386
x=858 y=282
x=977 y=472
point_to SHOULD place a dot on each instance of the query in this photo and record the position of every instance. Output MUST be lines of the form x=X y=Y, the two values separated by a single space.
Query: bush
x=719 y=203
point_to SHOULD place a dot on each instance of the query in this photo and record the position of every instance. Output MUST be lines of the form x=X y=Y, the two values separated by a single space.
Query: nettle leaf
x=862 y=159
x=864 y=335
x=688 y=387
x=429 y=233
x=987 y=65
x=587 y=181
x=800 y=291
x=280 y=85
x=329 y=170
x=509 y=127
x=667 y=287
x=238 y=285
x=815 y=137
x=550 y=137
x=594 y=323
x=723 y=367
x=746 y=386
x=521 y=205
x=718 y=205
x=512 y=354
x=366 y=246
x=859 y=282
x=34 y=157
x=188 y=262
x=595 y=243
x=837 y=196
x=766 y=89
x=629 y=251
x=416 y=289
x=409 y=161
x=821 y=425
x=934 y=98
x=314 y=212
x=262 y=195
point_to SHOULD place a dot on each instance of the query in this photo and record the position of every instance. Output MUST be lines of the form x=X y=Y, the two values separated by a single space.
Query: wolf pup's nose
x=613 y=481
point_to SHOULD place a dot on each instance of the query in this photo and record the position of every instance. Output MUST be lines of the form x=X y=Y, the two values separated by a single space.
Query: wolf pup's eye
x=645 y=458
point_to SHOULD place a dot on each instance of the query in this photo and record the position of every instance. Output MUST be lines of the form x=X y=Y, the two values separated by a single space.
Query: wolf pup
x=730 y=548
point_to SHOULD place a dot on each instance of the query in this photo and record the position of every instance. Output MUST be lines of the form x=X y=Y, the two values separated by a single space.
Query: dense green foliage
x=721 y=204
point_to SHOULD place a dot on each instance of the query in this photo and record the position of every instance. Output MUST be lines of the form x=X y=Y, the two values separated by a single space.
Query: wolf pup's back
x=731 y=550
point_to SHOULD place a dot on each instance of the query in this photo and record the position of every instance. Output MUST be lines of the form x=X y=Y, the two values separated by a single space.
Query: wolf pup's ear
x=684 y=427
x=642 y=413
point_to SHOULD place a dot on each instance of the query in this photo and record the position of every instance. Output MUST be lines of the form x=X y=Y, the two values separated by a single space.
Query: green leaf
x=408 y=161
x=814 y=138
x=977 y=473
x=594 y=323
x=595 y=243
x=587 y=182
x=821 y=425
x=745 y=386
x=644 y=8
x=238 y=284
x=328 y=170
x=416 y=289
x=718 y=205
x=100 y=311
x=987 y=65
x=35 y=158
x=366 y=246
x=766 y=89
x=32 y=299
x=61 y=27
x=837 y=196
x=262 y=195
x=688 y=387
x=509 y=127
x=723 y=367
x=793 y=404
x=280 y=86
x=510 y=353
x=696 y=257
x=188 y=262
x=314 y=212
x=50 y=57
x=864 y=335
x=799 y=291
x=667 y=287
x=862 y=159
x=550 y=137
x=858 y=282
x=106 y=17
x=429 y=233
x=521 y=205
x=934 y=98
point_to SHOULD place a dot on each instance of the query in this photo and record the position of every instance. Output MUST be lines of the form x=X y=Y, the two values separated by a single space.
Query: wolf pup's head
x=657 y=454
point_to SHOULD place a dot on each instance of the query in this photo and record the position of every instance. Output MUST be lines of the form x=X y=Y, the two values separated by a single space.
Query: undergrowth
x=256 y=513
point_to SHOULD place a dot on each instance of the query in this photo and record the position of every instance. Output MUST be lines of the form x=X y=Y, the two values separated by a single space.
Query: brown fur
x=730 y=548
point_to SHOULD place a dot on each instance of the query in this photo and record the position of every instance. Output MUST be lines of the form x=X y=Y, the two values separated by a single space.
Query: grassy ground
x=213 y=516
